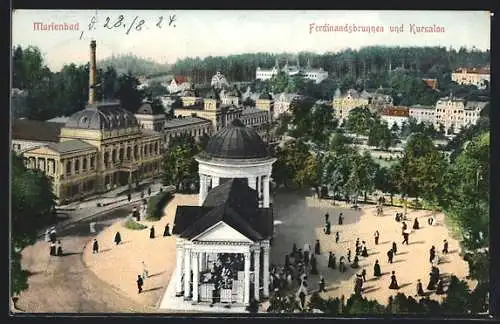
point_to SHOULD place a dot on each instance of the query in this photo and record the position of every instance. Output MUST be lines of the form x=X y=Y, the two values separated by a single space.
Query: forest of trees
x=369 y=63
x=125 y=63
x=51 y=94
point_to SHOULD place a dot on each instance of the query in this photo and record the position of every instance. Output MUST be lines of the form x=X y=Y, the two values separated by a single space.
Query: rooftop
x=233 y=203
x=235 y=142
x=36 y=130
x=184 y=121
x=71 y=146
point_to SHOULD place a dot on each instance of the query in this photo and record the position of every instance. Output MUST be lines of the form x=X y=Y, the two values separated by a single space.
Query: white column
x=252 y=183
x=265 y=271
x=196 y=274
x=256 y=271
x=180 y=268
x=266 y=192
x=203 y=188
x=187 y=273
x=215 y=181
x=246 y=297
x=201 y=261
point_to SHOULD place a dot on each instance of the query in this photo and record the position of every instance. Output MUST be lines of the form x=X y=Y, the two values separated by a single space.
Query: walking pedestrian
x=129 y=197
x=377 y=236
x=118 y=238
x=341 y=219
x=349 y=255
x=394 y=248
x=432 y=254
x=95 y=246
x=390 y=255
x=322 y=284
x=363 y=274
x=420 y=290
x=53 y=237
x=327 y=217
x=405 y=238
x=145 y=271
x=327 y=228
x=416 y=224
x=376 y=269
x=337 y=237
x=140 y=283
x=394 y=282
x=53 y=249
x=317 y=250
x=152 y=232
x=166 y=232
x=59 y=249
x=445 y=247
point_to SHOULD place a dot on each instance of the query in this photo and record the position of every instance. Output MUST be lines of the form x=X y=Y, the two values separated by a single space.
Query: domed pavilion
x=224 y=243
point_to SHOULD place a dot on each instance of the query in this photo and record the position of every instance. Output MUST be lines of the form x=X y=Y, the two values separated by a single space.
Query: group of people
x=55 y=244
x=328 y=225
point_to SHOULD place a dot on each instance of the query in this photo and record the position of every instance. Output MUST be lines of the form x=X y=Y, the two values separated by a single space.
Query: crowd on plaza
x=301 y=263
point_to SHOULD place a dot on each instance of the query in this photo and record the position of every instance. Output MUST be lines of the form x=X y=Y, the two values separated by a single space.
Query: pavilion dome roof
x=236 y=142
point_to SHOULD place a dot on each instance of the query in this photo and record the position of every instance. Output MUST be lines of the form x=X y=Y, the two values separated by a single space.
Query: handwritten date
x=137 y=24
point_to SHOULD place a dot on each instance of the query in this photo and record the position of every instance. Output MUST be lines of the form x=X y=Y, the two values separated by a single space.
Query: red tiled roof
x=473 y=70
x=395 y=111
x=179 y=79
x=431 y=83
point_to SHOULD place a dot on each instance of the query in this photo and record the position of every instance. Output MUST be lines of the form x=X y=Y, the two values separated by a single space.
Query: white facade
x=317 y=75
x=391 y=120
x=282 y=103
x=196 y=255
x=425 y=114
x=456 y=113
x=176 y=86
x=257 y=173
x=476 y=77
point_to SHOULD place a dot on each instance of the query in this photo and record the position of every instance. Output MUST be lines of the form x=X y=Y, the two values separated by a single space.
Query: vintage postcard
x=195 y=162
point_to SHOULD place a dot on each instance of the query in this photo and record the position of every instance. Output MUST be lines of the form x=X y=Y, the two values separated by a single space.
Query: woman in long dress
x=118 y=238
x=376 y=269
x=394 y=282
x=317 y=250
x=415 y=224
x=166 y=232
x=420 y=290
x=330 y=260
x=365 y=252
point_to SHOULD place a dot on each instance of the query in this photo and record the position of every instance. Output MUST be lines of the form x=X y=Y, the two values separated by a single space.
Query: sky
x=211 y=33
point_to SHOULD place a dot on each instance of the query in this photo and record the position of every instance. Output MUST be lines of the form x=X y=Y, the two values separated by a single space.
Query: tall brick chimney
x=92 y=72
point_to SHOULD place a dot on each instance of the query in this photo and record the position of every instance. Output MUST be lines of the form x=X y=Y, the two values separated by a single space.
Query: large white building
x=395 y=115
x=455 y=113
x=472 y=76
x=317 y=75
x=178 y=84
x=223 y=245
x=282 y=103
x=425 y=114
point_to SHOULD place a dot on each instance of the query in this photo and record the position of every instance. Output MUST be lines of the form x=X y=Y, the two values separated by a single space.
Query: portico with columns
x=223 y=244
x=257 y=175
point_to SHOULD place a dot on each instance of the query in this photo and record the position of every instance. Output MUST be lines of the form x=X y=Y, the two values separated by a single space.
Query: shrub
x=133 y=225
x=156 y=205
